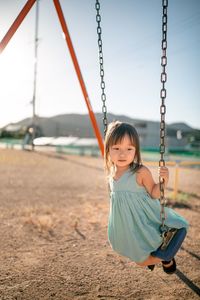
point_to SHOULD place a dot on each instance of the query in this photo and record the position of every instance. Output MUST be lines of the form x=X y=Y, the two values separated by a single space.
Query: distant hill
x=79 y=124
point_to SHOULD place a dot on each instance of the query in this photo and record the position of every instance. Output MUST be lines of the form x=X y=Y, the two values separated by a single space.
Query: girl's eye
x=116 y=148
x=129 y=149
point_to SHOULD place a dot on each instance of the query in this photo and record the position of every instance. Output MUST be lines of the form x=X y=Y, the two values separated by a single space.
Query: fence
x=177 y=165
x=94 y=151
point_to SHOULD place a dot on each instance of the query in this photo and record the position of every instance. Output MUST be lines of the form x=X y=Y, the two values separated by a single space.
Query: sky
x=131 y=33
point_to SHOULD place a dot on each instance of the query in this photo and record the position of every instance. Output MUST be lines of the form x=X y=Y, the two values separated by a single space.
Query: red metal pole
x=79 y=75
x=16 y=24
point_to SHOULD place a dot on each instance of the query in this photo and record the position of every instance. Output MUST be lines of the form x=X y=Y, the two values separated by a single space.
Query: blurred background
x=131 y=33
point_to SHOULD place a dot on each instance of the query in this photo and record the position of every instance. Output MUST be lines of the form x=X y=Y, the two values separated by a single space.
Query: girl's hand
x=164 y=173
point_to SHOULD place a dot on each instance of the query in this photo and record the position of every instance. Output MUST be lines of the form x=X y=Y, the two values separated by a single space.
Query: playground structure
x=109 y=257
x=171 y=242
x=29 y=4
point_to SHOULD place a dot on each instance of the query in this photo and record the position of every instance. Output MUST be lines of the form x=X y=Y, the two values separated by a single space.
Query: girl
x=134 y=219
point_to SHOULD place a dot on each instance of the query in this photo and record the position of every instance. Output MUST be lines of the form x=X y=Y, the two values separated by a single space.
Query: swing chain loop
x=103 y=95
x=163 y=94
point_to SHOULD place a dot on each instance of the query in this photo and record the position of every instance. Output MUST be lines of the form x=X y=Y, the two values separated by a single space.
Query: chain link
x=163 y=94
x=103 y=95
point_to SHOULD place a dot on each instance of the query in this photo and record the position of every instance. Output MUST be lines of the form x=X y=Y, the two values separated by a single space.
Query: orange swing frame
x=29 y=4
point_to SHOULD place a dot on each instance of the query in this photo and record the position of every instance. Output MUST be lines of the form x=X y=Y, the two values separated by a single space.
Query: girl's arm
x=148 y=182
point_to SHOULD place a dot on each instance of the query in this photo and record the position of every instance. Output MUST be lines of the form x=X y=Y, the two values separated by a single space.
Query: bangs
x=118 y=135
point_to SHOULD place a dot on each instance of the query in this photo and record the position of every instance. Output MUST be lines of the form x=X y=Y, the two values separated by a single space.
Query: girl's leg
x=151 y=260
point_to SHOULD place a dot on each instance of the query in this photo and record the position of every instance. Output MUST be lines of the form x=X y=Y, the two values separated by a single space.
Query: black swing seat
x=167 y=252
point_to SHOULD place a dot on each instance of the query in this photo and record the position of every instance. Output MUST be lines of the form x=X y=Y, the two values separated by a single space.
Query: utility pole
x=35 y=71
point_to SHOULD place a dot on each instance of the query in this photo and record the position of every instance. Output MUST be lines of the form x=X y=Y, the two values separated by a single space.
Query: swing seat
x=170 y=251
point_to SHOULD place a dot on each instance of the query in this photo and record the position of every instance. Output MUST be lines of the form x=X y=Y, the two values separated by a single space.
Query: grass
x=181 y=201
x=43 y=222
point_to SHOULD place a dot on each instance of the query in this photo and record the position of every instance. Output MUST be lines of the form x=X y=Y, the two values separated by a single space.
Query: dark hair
x=115 y=133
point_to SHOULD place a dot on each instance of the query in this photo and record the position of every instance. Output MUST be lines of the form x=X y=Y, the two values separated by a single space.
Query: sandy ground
x=53 y=229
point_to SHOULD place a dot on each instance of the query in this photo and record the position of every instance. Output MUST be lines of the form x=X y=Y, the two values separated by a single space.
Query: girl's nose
x=121 y=153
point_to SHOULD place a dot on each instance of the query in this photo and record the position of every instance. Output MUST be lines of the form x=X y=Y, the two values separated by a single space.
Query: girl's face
x=122 y=154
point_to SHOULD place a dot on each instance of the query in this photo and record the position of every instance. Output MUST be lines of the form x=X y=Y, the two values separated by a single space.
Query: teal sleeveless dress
x=134 y=219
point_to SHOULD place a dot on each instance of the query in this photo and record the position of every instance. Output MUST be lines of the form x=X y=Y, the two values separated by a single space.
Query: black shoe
x=151 y=267
x=171 y=269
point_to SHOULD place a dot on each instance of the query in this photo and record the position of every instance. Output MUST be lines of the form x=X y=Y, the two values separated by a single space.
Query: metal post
x=78 y=72
x=35 y=71
x=35 y=58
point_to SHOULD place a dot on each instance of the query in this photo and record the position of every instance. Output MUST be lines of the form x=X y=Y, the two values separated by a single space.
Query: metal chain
x=103 y=95
x=163 y=94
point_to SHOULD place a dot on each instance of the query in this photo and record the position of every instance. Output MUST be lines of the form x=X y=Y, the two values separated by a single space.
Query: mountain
x=79 y=125
x=180 y=136
x=181 y=126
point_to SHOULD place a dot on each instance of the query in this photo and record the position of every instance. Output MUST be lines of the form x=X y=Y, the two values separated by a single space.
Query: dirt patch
x=53 y=228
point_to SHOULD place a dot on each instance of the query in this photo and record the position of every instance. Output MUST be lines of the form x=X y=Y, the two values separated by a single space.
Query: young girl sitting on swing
x=134 y=219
